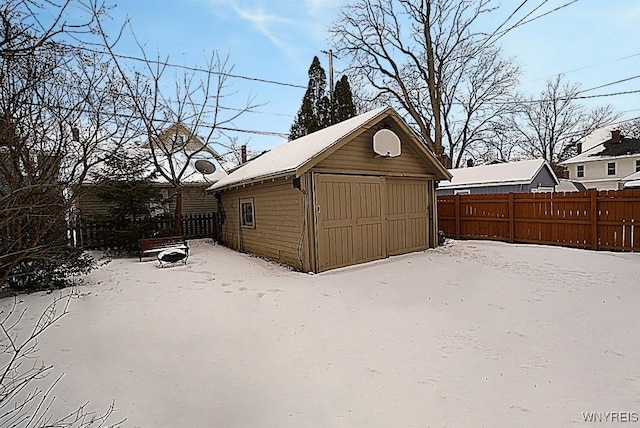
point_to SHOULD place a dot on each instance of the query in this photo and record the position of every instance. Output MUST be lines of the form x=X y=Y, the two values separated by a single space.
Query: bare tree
x=501 y=144
x=23 y=31
x=60 y=116
x=630 y=128
x=26 y=396
x=549 y=127
x=199 y=99
x=426 y=58
x=232 y=155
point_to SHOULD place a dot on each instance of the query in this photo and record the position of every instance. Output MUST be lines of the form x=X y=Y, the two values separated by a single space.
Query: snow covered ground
x=470 y=334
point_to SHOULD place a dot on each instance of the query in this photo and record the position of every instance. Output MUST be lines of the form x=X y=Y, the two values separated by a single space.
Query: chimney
x=243 y=153
x=579 y=147
x=565 y=173
x=615 y=136
x=75 y=132
x=469 y=163
x=445 y=161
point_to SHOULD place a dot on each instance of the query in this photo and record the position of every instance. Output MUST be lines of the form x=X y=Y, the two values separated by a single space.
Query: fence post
x=512 y=220
x=457 y=217
x=594 y=219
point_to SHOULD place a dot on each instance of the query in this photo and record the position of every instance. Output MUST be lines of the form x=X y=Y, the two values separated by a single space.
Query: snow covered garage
x=360 y=190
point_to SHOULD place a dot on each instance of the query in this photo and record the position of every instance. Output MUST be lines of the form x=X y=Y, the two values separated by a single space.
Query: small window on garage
x=247 y=213
x=462 y=192
x=580 y=171
x=637 y=165
x=611 y=168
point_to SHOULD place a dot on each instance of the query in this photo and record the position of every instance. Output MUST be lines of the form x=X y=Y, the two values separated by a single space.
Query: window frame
x=615 y=168
x=637 y=165
x=579 y=173
x=462 y=191
x=247 y=202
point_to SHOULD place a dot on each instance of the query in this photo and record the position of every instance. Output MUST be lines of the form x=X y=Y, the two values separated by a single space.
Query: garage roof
x=291 y=157
x=522 y=172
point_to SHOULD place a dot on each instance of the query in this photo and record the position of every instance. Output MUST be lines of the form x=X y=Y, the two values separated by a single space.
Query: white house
x=606 y=165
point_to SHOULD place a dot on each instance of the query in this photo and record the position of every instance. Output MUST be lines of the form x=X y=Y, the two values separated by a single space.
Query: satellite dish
x=386 y=143
x=204 y=166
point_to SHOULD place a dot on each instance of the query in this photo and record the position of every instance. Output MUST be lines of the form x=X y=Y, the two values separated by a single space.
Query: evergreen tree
x=314 y=114
x=126 y=186
x=343 y=106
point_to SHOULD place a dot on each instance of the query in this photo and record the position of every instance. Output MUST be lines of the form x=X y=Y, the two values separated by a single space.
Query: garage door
x=407 y=217
x=350 y=220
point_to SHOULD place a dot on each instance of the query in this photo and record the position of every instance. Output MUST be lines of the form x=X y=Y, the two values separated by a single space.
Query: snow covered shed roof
x=297 y=156
x=522 y=172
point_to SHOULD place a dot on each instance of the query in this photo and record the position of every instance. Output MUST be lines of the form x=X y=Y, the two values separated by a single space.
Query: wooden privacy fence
x=91 y=234
x=598 y=220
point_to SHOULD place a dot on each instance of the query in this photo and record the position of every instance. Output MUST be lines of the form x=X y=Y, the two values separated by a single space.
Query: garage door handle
x=318 y=208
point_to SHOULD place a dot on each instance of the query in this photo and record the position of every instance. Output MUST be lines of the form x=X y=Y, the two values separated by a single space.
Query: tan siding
x=194 y=200
x=278 y=218
x=89 y=205
x=358 y=156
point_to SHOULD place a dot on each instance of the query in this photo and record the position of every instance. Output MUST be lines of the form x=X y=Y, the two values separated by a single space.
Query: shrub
x=56 y=268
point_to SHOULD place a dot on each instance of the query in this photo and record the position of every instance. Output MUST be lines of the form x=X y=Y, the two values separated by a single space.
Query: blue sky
x=277 y=39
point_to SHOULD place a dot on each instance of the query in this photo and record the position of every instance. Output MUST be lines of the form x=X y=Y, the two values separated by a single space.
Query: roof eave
x=253 y=180
x=489 y=184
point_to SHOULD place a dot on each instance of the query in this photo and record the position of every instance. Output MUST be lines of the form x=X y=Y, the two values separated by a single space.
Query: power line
x=582 y=97
x=165 y=121
x=190 y=68
x=542 y=100
x=504 y=22
x=523 y=22
x=586 y=67
x=610 y=84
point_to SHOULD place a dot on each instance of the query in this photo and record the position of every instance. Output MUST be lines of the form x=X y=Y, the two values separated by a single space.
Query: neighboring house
x=335 y=198
x=509 y=177
x=606 y=165
x=187 y=148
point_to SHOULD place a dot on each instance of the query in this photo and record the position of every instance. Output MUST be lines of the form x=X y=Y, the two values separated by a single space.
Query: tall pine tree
x=314 y=114
x=316 y=110
x=343 y=106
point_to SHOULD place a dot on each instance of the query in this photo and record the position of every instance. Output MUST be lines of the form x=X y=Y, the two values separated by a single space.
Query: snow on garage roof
x=522 y=172
x=288 y=157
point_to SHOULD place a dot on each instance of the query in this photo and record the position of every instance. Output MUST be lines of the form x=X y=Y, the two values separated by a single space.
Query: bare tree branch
x=426 y=58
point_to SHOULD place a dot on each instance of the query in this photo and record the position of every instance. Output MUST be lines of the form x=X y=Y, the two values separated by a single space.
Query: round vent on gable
x=386 y=143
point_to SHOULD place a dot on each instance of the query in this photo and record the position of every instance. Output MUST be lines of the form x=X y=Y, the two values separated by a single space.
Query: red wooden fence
x=598 y=220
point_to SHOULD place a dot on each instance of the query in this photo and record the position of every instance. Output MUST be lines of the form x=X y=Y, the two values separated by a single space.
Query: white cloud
x=264 y=23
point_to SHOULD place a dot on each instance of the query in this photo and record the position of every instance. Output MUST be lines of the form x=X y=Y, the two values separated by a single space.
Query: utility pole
x=330 y=53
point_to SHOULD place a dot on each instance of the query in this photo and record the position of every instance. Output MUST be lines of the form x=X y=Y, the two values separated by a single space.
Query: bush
x=55 y=268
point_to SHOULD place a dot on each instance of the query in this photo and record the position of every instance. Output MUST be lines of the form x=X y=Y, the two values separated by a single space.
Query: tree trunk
x=177 y=214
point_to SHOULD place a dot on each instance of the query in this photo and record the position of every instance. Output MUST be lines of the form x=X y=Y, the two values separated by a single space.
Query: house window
x=611 y=168
x=462 y=192
x=247 y=218
x=637 y=165
x=580 y=171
